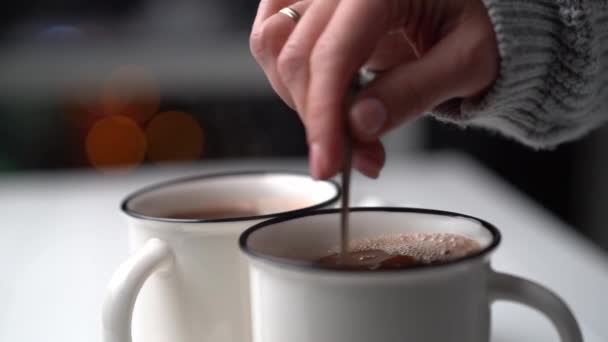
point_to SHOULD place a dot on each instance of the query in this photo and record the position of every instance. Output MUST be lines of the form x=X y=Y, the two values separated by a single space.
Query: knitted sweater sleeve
x=553 y=80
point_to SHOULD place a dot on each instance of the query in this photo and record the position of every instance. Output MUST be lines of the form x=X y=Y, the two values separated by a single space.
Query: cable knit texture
x=553 y=81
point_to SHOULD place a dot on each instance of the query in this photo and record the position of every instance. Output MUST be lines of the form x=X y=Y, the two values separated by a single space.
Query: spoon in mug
x=363 y=77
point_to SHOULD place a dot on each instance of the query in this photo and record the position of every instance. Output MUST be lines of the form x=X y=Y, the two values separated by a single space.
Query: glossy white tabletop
x=62 y=235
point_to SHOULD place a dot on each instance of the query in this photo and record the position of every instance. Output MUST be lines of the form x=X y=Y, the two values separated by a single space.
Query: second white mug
x=185 y=280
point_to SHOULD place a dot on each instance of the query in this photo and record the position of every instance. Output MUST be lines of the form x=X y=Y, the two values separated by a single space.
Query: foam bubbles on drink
x=425 y=247
x=403 y=250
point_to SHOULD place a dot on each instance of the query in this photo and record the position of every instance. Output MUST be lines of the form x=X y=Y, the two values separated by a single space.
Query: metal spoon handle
x=346 y=175
x=363 y=77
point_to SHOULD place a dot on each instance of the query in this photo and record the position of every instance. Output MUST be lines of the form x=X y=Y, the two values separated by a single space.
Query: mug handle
x=508 y=287
x=127 y=280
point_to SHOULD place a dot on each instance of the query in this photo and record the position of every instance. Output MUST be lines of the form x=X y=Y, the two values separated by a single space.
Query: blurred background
x=104 y=84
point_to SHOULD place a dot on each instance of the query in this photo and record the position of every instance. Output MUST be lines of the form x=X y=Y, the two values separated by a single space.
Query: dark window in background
x=569 y=180
x=37 y=136
x=50 y=130
x=546 y=175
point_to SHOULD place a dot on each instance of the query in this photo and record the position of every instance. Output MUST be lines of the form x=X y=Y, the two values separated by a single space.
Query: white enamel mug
x=186 y=280
x=295 y=299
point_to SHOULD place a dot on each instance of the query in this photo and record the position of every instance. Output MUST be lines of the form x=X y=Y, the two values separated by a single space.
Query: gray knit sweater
x=553 y=81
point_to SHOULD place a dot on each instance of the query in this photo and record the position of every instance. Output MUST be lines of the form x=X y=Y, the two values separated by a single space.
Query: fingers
x=453 y=68
x=344 y=46
x=266 y=8
x=292 y=63
x=393 y=49
x=311 y=65
x=275 y=31
x=369 y=158
x=293 y=68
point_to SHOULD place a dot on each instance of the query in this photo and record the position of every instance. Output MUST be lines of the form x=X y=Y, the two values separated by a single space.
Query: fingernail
x=315 y=161
x=367 y=166
x=369 y=116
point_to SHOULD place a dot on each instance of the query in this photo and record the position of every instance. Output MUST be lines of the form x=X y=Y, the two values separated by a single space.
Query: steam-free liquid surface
x=402 y=251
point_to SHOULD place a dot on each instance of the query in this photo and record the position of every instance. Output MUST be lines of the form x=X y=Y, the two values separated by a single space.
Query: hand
x=430 y=51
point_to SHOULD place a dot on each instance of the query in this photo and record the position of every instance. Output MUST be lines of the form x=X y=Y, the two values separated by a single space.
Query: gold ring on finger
x=290 y=12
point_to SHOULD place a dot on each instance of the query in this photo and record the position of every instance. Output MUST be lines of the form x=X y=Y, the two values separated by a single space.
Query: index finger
x=347 y=42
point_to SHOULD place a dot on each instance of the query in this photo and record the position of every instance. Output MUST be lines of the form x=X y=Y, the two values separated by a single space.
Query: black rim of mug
x=157 y=186
x=303 y=264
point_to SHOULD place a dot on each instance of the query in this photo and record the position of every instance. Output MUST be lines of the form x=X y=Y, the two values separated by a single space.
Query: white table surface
x=62 y=236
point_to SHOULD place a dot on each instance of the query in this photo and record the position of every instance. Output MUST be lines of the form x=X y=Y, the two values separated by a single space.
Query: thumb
x=449 y=70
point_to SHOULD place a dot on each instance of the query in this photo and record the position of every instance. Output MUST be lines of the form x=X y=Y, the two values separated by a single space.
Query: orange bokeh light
x=131 y=91
x=174 y=136
x=115 y=141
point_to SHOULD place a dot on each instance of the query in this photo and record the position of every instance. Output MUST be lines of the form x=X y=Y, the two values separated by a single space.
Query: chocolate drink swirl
x=402 y=251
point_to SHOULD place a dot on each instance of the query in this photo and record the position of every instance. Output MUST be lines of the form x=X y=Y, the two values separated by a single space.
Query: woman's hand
x=430 y=51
